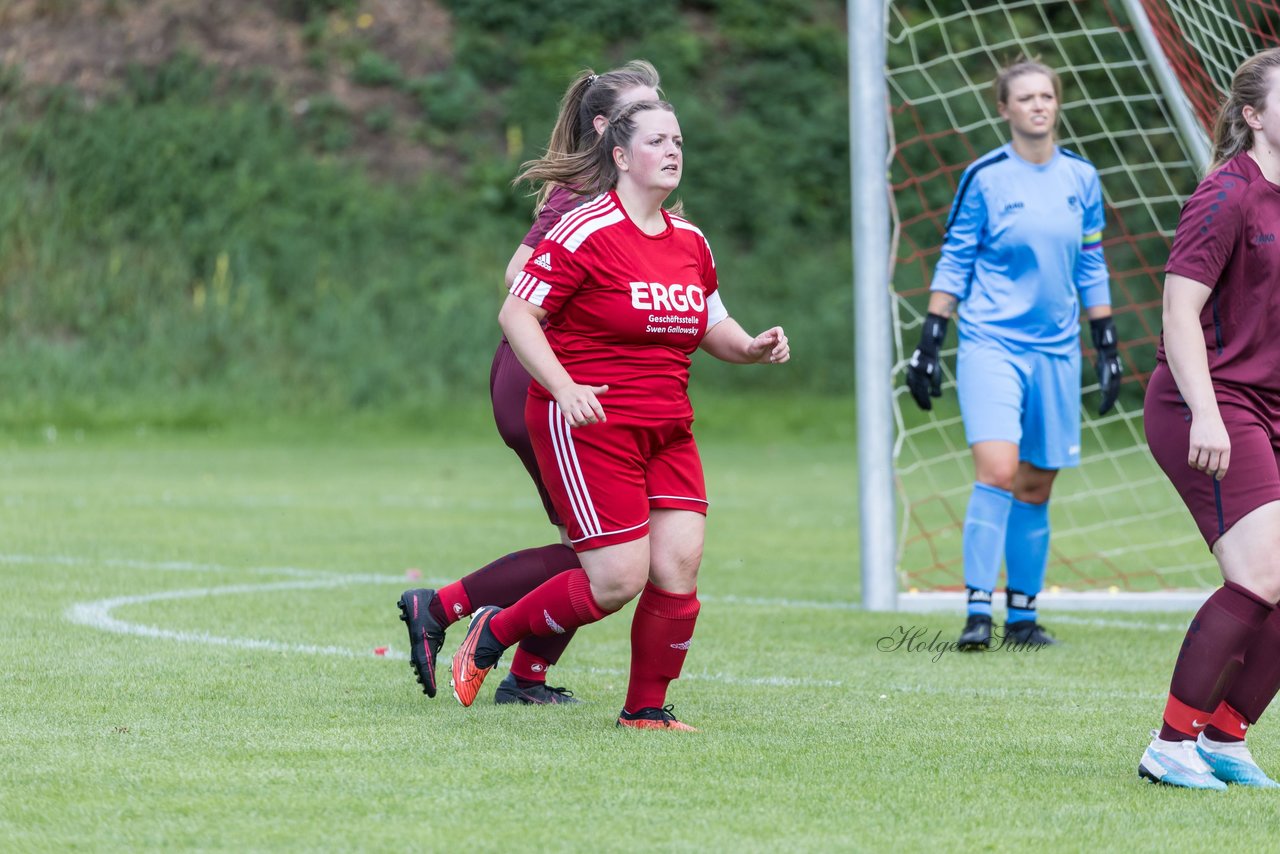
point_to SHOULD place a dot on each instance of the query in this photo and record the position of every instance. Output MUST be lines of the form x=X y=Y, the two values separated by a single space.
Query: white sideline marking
x=166 y=565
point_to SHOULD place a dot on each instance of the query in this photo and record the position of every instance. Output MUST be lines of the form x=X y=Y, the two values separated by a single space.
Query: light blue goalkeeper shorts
x=1029 y=398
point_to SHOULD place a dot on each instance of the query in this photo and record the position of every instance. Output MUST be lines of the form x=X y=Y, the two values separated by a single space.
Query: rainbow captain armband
x=1090 y=241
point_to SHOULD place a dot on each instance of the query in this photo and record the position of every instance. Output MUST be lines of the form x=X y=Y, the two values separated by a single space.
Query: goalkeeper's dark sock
x=1026 y=553
x=984 y=533
x=1254 y=687
x=1211 y=655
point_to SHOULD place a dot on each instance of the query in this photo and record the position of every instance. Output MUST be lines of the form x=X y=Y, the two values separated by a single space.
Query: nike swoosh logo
x=1195 y=724
x=1244 y=727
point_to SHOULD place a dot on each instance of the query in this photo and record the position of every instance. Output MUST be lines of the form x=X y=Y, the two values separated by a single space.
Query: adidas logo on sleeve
x=543 y=260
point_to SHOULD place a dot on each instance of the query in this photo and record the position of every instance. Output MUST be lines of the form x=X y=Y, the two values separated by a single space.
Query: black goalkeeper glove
x=924 y=371
x=1108 y=364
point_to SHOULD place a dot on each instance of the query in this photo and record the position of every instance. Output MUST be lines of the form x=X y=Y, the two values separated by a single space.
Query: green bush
x=374 y=69
x=195 y=247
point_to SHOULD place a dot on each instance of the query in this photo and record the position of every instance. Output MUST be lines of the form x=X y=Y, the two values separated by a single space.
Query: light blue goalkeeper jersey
x=1023 y=250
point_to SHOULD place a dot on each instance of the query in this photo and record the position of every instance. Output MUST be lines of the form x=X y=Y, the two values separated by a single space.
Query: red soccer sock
x=1227 y=724
x=501 y=582
x=1211 y=655
x=529 y=667
x=450 y=604
x=661 y=632
x=1255 y=686
x=553 y=608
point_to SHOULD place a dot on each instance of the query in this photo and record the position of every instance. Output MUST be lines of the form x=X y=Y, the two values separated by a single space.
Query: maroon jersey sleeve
x=559 y=202
x=1208 y=229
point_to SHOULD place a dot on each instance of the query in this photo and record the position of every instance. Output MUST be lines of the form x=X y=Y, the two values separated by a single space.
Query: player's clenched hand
x=924 y=371
x=1210 y=450
x=580 y=406
x=770 y=347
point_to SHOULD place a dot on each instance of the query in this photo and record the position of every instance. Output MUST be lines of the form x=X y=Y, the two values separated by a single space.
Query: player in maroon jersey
x=590 y=98
x=629 y=292
x=1213 y=425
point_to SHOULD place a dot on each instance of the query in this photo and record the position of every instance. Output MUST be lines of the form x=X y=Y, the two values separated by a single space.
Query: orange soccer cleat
x=653 y=718
x=468 y=674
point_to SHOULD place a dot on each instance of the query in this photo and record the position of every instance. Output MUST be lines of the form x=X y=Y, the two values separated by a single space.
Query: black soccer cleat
x=1027 y=633
x=426 y=636
x=537 y=694
x=976 y=635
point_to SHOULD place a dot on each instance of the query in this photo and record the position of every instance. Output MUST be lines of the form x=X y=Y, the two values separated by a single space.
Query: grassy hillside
x=207 y=214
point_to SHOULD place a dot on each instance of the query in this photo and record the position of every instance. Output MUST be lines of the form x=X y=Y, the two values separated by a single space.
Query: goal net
x=1117 y=523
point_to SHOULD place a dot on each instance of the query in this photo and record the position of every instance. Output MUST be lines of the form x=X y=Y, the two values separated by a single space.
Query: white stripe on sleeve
x=716 y=311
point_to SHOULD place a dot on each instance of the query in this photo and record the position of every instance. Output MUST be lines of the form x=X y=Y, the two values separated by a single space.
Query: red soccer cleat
x=467 y=675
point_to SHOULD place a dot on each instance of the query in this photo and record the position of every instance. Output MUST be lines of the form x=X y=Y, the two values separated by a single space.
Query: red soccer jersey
x=1227 y=239
x=626 y=309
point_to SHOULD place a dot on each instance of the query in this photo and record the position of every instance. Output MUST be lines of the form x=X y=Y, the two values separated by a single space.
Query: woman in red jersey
x=1213 y=425
x=628 y=291
x=427 y=612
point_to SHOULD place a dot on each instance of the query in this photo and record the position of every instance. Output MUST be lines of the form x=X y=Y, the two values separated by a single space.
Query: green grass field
x=187 y=638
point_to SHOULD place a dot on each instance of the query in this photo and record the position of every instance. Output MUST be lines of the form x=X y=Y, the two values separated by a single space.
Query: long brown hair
x=593 y=171
x=588 y=96
x=1249 y=87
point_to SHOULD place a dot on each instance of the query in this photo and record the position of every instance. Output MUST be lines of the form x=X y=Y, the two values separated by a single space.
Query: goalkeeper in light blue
x=1022 y=253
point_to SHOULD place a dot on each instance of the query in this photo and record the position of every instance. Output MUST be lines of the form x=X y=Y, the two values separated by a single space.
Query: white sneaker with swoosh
x=1231 y=762
x=1177 y=763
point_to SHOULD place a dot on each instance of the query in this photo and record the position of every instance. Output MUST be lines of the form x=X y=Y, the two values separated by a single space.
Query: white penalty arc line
x=98 y=615
x=708 y=599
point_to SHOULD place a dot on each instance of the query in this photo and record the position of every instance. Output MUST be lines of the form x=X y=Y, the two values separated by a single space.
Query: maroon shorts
x=1252 y=419
x=605 y=478
x=508 y=388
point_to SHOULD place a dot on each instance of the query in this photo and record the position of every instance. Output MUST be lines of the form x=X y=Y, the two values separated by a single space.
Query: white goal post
x=920 y=111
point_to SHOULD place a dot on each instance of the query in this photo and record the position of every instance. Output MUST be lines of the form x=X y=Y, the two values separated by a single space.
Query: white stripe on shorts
x=610 y=533
x=571 y=472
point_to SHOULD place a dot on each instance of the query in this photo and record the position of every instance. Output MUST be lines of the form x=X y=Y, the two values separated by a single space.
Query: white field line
x=98 y=613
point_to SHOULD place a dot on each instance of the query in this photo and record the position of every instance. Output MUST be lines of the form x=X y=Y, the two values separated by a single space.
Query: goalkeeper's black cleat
x=426 y=636
x=537 y=694
x=976 y=635
x=1027 y=633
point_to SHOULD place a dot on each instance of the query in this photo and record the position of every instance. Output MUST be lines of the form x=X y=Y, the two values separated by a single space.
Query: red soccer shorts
x=1252 y=419
x=605 y=478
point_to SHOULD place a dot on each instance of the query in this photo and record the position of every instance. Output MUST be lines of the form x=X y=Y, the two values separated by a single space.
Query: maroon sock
x=502 y=582
x=661 y=632
x=1254 y=687
x=1211 y=654
x=554 y=608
